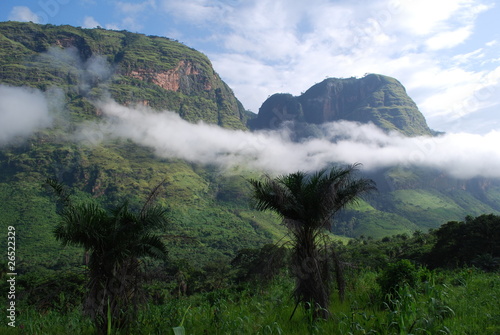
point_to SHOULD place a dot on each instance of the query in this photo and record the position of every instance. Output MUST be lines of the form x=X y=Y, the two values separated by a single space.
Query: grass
x=474 y=296
x=458 y=302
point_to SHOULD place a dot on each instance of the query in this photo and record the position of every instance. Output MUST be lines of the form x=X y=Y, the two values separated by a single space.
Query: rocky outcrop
x=172 y=80
x=374 y=98
x=89 y=64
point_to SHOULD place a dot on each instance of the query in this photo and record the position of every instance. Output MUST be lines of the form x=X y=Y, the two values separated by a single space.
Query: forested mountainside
x=73 y=67
x=132 y=68
x=209 y=209
x=409 y=198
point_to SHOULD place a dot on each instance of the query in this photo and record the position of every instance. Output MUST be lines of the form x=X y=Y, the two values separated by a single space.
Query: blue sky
x=446 y=53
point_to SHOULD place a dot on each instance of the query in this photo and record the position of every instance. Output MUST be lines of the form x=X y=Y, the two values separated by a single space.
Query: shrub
x=396 y=275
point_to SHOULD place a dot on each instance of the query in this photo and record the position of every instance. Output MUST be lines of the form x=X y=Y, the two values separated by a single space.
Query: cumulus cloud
x=23 y=14
x=90 y=22
x=22 y=112
x=287 y=47
x=462 y=155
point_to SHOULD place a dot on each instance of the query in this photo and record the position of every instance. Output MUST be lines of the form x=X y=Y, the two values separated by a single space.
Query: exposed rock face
x=133 y=68
x=375 y=98
x=172 y=80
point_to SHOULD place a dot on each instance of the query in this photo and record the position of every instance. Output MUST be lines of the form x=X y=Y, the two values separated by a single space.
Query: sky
x=446 y=53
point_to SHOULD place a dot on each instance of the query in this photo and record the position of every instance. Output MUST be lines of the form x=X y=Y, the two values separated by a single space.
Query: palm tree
x=114 y=240
x=307 y=204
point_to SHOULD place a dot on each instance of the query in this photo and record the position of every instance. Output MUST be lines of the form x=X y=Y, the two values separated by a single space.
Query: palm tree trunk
x=311 y=272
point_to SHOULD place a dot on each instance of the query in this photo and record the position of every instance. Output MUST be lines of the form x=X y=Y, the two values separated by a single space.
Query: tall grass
x=461 y=302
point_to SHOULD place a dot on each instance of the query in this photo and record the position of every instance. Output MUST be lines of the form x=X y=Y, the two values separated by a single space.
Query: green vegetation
x=211 y=210
x=390 y=290
x=411 y=199
x=307 y=203
x=113 y=243
x=228 y=270
x=86 y=64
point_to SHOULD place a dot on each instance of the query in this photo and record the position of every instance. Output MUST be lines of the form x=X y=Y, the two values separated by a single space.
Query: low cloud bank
x=22 y=111
x=461 y=155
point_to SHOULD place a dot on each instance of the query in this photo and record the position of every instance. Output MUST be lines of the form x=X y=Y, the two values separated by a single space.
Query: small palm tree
x=307 y=204
x=114 y=240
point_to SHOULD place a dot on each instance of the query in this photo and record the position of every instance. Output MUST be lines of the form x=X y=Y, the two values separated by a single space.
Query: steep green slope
x=133 y=68
x=210 y=212
x=374 y=98
x=418 y=199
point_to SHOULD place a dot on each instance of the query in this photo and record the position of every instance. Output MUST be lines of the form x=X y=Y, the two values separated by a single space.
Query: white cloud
x=449 y=39
x=90 y=22
x=461 y=155
x=465 y=58
x=22 y=112
x=23 y=14
x=278 y=46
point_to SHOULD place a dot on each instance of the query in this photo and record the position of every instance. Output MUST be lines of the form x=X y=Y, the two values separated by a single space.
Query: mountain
x=374 y=98
x=409 y=198
x=73 y=68
x=131 y=68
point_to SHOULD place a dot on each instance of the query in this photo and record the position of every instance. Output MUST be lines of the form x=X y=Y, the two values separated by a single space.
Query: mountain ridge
x=211 y=209
x=374 y=98
x=132 y=68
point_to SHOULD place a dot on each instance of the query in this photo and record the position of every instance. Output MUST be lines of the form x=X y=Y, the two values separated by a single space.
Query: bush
x=398 y=274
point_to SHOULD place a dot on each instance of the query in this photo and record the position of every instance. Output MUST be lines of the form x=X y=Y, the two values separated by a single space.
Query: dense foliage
x=398 y=295
x=229 y=267
x=113 y=242
x=473 y=242
x=307 y=203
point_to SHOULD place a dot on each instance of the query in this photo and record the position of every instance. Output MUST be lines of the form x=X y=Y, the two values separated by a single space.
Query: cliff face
x=132 y=68
x=375 y=98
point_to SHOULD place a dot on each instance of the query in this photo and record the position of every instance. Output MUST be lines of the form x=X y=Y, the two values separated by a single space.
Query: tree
x=475 y=241
x=307 y=204
x=114 y=240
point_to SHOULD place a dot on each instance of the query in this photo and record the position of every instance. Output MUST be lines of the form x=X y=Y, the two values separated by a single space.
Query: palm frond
x=152 y=196
x=154 y=217
x=60 y=191
x=152 y=246
x=82 y=225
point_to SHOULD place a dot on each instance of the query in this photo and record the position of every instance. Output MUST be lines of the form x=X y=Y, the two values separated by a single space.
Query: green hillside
x=132 y=68
x=417 y=199
x=210 y=210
